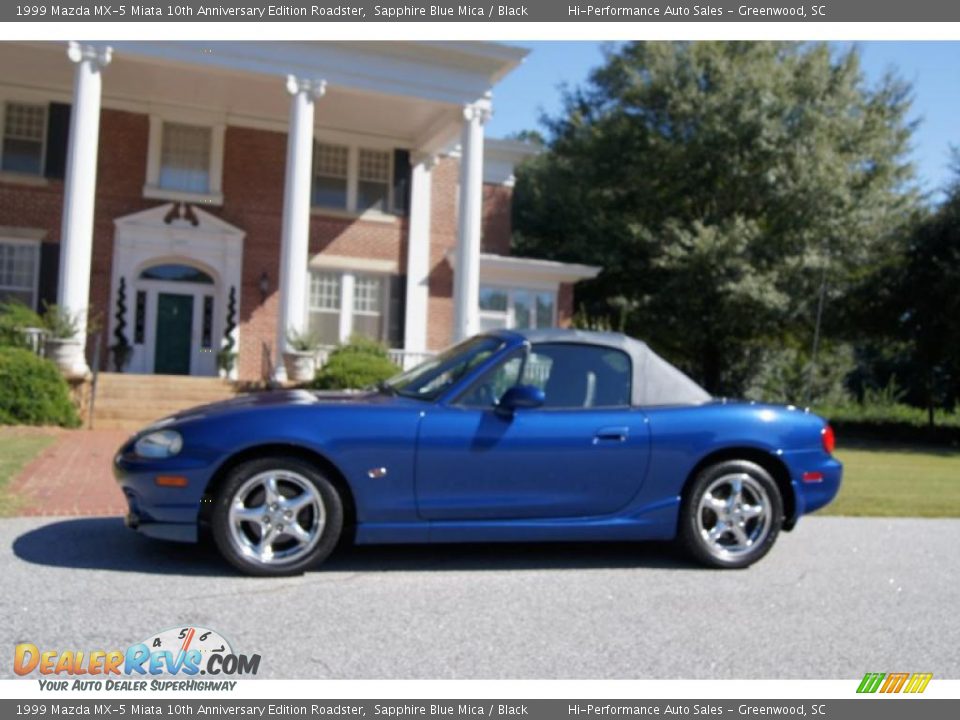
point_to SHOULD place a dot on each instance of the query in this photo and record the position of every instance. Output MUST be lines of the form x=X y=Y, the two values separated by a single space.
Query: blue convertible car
x=507 y=437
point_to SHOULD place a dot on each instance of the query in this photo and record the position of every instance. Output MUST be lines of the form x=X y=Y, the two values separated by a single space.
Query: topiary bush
x=32 y=391
x=359 y=364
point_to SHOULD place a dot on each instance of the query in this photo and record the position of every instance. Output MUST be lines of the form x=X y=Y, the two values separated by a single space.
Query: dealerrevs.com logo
x=185 y=652
x=894 y=682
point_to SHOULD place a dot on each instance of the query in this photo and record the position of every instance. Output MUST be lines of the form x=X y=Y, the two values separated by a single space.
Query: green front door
x=174 y=328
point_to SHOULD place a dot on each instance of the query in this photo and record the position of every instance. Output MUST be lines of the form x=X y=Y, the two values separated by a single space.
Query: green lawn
x=17 y=448
x=906 y=482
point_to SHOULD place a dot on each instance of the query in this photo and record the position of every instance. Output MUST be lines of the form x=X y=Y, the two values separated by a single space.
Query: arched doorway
x=179 y=318
x=174 y=274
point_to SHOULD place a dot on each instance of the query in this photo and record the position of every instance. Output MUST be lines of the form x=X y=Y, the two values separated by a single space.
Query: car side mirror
x=521 y=397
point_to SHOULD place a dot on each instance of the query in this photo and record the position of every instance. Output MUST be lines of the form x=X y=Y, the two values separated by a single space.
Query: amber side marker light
x=171 y=481
x=829 y=439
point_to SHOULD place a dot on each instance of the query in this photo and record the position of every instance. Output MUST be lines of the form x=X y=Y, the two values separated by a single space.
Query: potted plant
x=300 y=356
x=122 y=352
x=61 y=344
x=226 y=359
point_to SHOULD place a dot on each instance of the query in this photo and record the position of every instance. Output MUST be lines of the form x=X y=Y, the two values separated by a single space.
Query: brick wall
x=253 y=177
x=565 y=308
x=443 y=238
x=496 y=222
x=121 y=169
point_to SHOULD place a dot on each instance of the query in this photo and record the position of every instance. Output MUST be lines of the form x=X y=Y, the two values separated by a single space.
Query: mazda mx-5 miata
x=509 y=436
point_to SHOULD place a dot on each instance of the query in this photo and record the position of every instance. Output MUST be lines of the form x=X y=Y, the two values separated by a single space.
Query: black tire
x=699 y=516
x=295 y=480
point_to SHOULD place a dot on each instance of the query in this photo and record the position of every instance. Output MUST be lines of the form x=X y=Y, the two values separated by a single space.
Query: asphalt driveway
x=836 y=598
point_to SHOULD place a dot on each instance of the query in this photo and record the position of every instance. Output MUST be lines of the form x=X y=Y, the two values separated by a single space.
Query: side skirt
x=654 y=523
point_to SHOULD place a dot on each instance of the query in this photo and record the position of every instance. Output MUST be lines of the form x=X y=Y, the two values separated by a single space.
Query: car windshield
x=431 y=378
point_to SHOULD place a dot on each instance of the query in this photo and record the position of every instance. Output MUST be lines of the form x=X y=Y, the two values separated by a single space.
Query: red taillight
x=828 y=438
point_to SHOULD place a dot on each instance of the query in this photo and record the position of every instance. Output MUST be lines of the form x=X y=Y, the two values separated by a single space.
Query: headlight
x=159 y=444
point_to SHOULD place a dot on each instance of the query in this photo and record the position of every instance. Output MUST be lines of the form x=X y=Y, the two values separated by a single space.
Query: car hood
x=281 y=398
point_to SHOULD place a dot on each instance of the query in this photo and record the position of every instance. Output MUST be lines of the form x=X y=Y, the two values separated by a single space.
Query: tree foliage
x=925 y=298
x=720 y=185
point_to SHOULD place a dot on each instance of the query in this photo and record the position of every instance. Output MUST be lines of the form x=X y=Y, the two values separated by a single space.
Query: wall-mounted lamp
x=264 y=286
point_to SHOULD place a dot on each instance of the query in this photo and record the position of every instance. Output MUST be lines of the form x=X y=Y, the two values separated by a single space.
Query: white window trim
x=353 y=181
x=19 y=177
x=35 y=244
x=152 y=189
x=348 y=278
x=510 y=313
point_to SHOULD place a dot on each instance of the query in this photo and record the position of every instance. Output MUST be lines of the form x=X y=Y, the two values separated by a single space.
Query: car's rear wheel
x=731 y=515
x=276 y=516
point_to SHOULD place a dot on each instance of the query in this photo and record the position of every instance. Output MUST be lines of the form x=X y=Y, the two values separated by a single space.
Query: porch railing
x=404 y=359
x=407 y=359
x=35 y=338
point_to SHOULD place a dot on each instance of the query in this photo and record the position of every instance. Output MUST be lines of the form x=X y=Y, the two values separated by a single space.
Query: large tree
x=721 y=186
x=926 y=303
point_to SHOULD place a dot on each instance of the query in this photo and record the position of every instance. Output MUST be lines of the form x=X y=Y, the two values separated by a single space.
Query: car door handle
x=611 y=434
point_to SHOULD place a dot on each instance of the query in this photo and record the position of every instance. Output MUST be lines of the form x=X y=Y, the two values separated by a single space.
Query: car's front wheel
x=731 y=514
x=276 y=516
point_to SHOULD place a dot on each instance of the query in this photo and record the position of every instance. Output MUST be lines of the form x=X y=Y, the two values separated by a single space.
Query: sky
x=931 y=67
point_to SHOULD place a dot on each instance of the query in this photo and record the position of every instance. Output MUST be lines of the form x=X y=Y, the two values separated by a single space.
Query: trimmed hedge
x=14 y=317
x=358 y=364
x=892 y=423
x=32 y=391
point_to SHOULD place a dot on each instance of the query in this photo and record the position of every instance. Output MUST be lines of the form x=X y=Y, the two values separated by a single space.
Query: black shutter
x=49 y=274
x=397 y=310
x=58 y=133
x=401 y=181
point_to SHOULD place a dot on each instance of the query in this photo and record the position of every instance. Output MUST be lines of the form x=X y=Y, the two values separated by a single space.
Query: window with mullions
x=324 y=309
x=368 y=308
x=24 y=129
x=373 y=180
x=330 y=172
x=185 y=158
x=19 y=268
x=502 y=307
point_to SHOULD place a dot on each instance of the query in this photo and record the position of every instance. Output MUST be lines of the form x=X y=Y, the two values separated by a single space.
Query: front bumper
x=176 y=532
x=166 y=513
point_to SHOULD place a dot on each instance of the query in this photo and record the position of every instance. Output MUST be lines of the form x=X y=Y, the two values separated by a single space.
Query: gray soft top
x=655 y=381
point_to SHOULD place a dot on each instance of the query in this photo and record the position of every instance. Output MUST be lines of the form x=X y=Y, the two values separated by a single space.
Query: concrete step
x=128 y=402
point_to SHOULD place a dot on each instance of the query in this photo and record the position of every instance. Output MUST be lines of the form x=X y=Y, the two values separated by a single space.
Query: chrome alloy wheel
x=734 y=515
x=276 y=517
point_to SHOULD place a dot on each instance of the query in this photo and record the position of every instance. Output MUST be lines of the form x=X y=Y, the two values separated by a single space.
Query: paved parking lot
x=836 y=598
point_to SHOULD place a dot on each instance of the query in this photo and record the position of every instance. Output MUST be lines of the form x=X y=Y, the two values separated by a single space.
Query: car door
x=583 y=453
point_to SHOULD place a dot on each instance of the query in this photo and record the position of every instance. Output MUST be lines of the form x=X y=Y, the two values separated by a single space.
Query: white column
x=295 y=233
x=79 y=192
x=466 y=274
x=347 y=281
x=418 y=256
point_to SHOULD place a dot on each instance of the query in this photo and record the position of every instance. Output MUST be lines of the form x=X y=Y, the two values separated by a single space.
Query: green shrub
x=14 y=318
x=32 y=391
x=784 y=375
x=359 y=364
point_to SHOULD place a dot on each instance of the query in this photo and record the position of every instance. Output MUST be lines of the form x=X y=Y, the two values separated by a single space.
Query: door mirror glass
x=521 y=397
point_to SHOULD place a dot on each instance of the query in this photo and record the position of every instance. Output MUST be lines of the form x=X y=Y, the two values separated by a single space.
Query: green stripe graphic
x=871 y=682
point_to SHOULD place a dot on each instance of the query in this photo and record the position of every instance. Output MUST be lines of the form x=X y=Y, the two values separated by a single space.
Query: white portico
x=218 y=197
x=421 y=97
